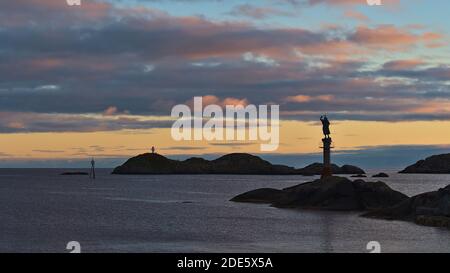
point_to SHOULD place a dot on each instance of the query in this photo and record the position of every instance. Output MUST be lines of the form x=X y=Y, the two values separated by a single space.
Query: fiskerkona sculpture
x=326 y=172
x=325 y=126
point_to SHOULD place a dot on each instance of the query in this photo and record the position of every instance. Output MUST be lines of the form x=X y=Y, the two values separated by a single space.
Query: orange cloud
x=383 y=36
x=391 y=37
x=210 y=99
x=432 y=107
x=112 y=110
x=403 y=64
x=353 y=14
x=305 y=98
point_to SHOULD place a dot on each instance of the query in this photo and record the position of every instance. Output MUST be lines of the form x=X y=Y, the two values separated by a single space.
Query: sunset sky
x=100 y=80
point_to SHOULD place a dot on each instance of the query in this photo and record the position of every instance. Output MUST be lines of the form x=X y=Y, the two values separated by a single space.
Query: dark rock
x=359 y=175
x=376 y=195
x=316 y=169
x=433 y=221
x=434 y=164
x=381 y=175
x=332 y=193
x=259 y=196
x=313 y=169
x=238 y=163
x=247 y=164
x=150 y=163
x=349 y=169
x=74 y=173
x=431 y=208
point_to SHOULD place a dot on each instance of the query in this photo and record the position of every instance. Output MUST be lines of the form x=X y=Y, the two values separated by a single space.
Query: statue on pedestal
x=326 y=172
x=325 y=126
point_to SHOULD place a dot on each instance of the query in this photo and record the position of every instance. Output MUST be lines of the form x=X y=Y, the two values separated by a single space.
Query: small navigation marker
x=92 y=173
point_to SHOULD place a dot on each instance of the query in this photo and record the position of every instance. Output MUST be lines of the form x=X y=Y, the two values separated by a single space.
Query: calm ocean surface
x=40 y=211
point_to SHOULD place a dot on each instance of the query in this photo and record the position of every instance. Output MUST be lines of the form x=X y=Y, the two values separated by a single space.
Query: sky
x=100 y=79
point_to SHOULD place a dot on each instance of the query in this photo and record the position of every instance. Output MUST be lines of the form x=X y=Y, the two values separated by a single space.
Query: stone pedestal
x=326 y=172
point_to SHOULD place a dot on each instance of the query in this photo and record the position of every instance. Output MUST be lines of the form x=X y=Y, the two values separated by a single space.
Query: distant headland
x=236 y=163
x=437 y=164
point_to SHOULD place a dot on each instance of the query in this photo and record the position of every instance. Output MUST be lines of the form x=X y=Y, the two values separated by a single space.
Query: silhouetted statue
x=153 y=149
x=325 y=126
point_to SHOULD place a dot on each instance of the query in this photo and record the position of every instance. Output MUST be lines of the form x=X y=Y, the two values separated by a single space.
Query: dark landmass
x=332 y=193
x=228 y=164
x=430 y=209
x=381 y=175
x=75 y=173
x=437 y=164
x=238 y=163
x=359 y=175
x=316 y=169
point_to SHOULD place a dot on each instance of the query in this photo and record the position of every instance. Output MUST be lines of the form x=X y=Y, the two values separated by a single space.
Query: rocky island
x=430 y=209
x=380 y=175
x=237 y=163
x=329 y=193
x=437 y=164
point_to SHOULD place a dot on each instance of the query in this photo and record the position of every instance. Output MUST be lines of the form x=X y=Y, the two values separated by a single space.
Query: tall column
x=326 y=172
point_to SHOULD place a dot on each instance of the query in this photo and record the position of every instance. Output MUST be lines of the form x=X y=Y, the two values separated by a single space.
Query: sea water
x=41 y=211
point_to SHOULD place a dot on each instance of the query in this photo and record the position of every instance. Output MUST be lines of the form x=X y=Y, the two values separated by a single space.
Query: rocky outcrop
x=431 y=208
x=265 y=195
x=332 y=193
x=433 y=164
x=238 y=163
x=433 y=221
x=350 y=169
x=74 y=173
x=228 y=164
x=316 y=169
x=381 y=175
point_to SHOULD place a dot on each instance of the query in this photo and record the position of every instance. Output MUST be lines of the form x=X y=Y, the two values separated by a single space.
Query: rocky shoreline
x=331 y=193
x=375 y=199
x=429 y=209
